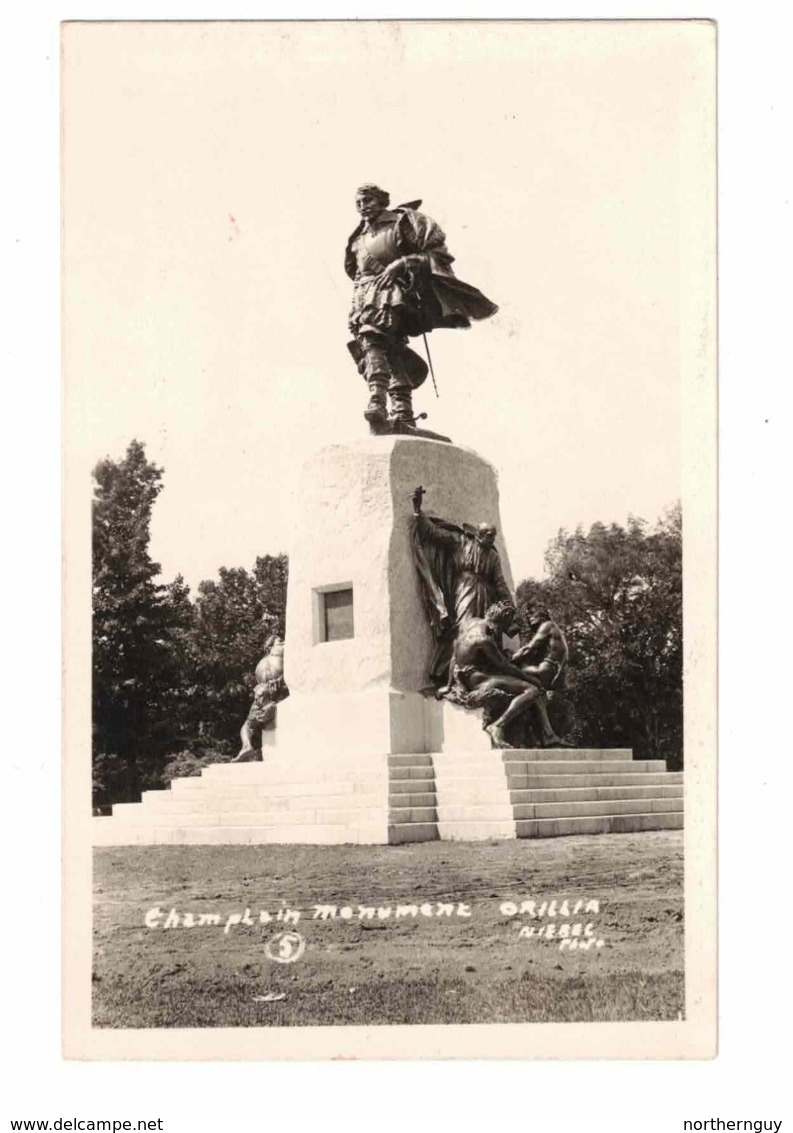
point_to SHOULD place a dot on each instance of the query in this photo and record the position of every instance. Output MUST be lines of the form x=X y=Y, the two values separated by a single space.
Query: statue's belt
x=367 y=277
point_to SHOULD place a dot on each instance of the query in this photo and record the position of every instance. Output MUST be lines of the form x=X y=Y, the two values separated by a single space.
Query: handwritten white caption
x=558 y=917
x=285 y=947
x=573 y=937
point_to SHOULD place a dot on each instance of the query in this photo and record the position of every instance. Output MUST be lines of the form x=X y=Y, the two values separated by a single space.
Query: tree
x=134 y=669
x=172 y=676
x=617 y=592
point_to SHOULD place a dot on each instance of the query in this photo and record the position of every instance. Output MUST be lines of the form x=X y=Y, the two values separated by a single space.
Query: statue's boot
x=402 y=405
x=376 y=412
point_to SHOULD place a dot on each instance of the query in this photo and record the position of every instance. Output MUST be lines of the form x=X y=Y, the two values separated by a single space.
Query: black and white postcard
x=390 y=565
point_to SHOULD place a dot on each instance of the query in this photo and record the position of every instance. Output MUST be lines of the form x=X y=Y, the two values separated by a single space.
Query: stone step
x=495 y=811
x=285 y=787
x=168 y=803
x=479 y=772
x=316 y=764
x=470 y=774
x=253 y=774
x=137 y=816
x=473 y=797
x=586 y=767
x=600 y=824
x=643 y=779
x=531 y=755
x=471 y=787
x=583 y=794
x=477 y=829
x=410 y=760
x=413 y=832
x=411 y=771
x=499 y=799
x=409 y=798
x=401 y=814
x=115 y=833
x=422 y=786
x=448 y=761
x=593 y=807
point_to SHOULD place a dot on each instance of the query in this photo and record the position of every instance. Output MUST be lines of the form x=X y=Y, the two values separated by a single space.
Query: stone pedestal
x=352 y=532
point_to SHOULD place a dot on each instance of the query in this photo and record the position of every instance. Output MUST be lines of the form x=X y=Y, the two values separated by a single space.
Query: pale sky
x=210 y=171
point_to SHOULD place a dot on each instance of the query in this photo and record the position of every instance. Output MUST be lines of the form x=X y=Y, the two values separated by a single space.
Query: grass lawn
x=420 y=968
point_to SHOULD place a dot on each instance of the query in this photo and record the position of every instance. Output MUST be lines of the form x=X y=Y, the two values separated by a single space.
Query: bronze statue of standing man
x=403 y=286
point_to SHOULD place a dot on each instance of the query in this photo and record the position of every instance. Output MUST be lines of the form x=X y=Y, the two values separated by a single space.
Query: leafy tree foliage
x=617 y=593
x=133 y=664
x=172 y=676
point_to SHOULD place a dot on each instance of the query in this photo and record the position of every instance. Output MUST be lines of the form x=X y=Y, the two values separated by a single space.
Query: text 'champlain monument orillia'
x=410 y=700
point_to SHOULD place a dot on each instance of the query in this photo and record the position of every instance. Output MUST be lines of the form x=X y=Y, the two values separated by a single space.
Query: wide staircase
x=591 y=791
x=259 y=803
x=463 y=795
x=534 y=793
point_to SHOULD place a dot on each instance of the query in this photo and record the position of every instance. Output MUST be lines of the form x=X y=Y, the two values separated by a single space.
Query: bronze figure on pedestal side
x=404 y=286
x=269 y=690
x=481 y=675
x=460 y=576
x=545 y=655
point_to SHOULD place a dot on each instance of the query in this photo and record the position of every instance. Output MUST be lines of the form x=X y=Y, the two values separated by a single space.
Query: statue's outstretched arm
x=434 y=532
x=430 y=529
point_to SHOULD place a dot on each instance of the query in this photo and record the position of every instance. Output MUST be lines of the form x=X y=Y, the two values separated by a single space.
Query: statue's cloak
x=458 y=580
x=437 y=571
x=442 y=300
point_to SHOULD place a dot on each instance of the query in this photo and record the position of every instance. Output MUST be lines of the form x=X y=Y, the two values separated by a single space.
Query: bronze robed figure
x=460 y=576
x=404 y=286
x=469 y=607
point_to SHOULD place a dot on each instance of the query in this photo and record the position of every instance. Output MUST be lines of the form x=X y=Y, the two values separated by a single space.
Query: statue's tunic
x=376 y=306
x=426 y=295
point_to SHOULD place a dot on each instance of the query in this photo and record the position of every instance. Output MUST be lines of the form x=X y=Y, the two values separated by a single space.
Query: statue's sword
x=426 y=344
x=429 y=359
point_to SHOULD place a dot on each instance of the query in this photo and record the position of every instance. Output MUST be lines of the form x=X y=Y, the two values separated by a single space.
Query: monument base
x=384 y=721
x=337 y=724
x=359 y=753
x=376 y=798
